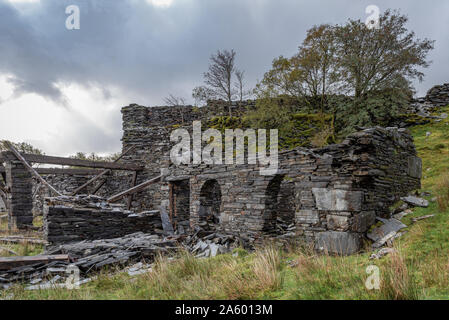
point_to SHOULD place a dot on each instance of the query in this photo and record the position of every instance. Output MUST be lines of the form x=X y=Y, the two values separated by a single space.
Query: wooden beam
x=8 y=250
x=37 y=158
x=102 y=173
x=30 y=168
x=4 y=199
x=135 y=189
x=4 y=194
x=98 y=187
x=14 y=262
x=80 y=172
x=133 y=184
x=22 y=240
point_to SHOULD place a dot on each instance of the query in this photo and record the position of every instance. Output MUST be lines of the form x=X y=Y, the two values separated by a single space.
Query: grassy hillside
x=419 y=269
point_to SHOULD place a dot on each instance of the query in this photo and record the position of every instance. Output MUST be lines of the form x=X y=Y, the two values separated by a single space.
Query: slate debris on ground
x=138 y=248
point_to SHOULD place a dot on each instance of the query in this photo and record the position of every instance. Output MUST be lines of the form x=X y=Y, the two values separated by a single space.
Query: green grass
x=419 y=269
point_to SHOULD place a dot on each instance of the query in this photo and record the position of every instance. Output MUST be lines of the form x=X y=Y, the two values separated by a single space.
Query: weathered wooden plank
x=15 y=239
x=8 y=250
x=4 y=199
x=98 y=187
x=102 y=173
x=14 y=262
x=80 y=172
x=37 y=158
x=133 y=184
x=30 y=168
x=135 y=189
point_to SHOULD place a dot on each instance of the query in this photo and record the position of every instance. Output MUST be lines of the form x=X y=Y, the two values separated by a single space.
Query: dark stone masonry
x=438 y=95
x=328 y=196
x=69 y=224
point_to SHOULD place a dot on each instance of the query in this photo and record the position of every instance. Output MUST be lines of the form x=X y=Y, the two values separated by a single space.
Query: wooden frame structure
x=97 y=168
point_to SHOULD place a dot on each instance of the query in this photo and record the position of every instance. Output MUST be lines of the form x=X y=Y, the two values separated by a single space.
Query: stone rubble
x=386 y=232
x=381 y=253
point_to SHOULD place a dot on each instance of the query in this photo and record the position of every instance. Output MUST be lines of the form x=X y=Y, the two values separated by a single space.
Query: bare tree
x=219 y=76
x=175 y=101
x=240 y=75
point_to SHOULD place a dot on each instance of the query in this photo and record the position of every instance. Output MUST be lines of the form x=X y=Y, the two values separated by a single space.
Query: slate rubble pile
x=136 y=251
x=392 y=228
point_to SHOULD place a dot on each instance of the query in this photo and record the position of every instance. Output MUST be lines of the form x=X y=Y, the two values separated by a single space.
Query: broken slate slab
x=415 y=201
x=389 y=226
x=402 y=214
x=382 y=252
x=387 y=238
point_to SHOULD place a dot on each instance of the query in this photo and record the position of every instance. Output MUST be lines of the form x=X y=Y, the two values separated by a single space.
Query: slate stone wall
x=439 y=95
x=19 y=198
x=66 y=224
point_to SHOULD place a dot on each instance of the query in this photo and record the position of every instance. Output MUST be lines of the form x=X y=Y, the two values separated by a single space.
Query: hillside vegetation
x=418 y=270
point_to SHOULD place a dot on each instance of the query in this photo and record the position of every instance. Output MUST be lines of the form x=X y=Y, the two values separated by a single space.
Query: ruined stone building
x=331 y=195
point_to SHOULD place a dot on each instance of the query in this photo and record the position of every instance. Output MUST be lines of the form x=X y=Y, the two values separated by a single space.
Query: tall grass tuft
x=442 y=189
x=267 y=267
x=398 y=283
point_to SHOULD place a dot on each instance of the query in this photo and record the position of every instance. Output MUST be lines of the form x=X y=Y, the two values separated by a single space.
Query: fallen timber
x=135 y=189
x=16 y=239
x=9 y=263
x=102 y=173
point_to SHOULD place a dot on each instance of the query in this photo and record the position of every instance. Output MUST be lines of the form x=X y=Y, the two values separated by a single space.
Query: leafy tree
x=22 y=147
x=202 y=94
x=317 y=60
x=374 y=65
x=285 y=78
x=373 y=59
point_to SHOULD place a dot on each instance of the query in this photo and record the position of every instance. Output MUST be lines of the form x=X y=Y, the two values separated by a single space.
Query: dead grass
x=442 y=190
x=267 y=267
x=398 y=282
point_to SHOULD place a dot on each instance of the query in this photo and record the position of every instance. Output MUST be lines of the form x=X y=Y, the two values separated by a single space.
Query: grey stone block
x=337 y=200
x=339 y=243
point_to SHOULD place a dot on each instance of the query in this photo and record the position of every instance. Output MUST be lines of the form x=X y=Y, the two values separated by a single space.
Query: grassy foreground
x=418 y=270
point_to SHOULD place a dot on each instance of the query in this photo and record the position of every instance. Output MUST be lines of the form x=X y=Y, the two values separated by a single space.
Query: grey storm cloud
x=149 y=52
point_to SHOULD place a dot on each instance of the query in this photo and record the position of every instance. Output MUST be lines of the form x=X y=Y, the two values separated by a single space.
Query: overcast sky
x=62 y=90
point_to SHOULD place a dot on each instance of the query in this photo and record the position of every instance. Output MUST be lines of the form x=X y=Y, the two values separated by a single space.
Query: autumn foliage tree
x=350 y=59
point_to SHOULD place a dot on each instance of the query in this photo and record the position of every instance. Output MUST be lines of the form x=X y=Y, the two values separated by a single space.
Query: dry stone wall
x=19 y=197
x=64 y=224
x=439 y=95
